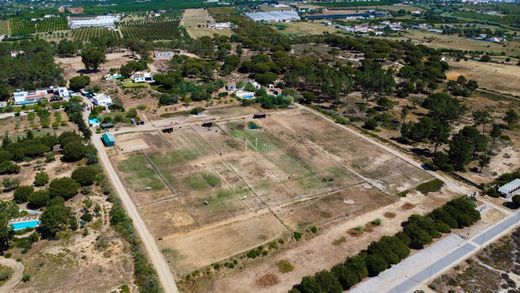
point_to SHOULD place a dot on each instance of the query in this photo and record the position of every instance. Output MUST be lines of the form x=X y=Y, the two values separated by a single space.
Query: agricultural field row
x=4 y=27
x=144 y=30
x=20 y=26
x=87 y=34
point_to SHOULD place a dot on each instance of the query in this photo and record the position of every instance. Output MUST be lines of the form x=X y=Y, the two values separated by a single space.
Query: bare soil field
x=497 y=77
x=212 y=193
x=330 y=246
x=72 y=262
x=236 y=235
x=72 y=66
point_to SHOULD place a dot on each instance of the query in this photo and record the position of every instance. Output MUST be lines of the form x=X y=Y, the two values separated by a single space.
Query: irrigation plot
x=198 y=186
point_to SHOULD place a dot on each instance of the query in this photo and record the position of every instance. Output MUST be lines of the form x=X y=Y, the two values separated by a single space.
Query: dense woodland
x=32 y=67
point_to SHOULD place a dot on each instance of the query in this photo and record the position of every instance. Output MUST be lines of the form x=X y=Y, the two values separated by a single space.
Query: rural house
x=231 y=87
x=26 y=98
x=102 y=100
x=139 y=77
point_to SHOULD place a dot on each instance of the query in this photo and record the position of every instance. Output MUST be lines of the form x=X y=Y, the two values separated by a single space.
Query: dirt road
x=151 y=247
x=17 y=274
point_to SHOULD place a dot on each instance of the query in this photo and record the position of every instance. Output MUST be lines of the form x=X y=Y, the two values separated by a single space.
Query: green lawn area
x=211 y=179
x=140 y=175
x=131 y=84
x=430 y=186
x=257 y=140
x=195 y=181
x=174 y=157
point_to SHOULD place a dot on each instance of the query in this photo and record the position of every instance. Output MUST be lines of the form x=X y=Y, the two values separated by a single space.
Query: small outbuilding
x=510 y=189
x=259 y=115
x=231 y=87
x=106 y=125
x=108 y=139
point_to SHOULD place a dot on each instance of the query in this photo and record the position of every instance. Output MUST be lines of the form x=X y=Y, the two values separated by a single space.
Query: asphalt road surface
x=435 y=260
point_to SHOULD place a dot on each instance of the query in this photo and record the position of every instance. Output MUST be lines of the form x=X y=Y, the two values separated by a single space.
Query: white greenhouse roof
x=274 y=16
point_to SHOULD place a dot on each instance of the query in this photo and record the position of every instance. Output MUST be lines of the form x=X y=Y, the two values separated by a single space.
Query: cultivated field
x=150 y=30
x=497 y=77
x=87 y=34
x=197 y=23
x=212 y=193
x=20 y=26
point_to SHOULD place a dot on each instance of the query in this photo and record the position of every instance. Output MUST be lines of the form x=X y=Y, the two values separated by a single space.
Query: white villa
x=102 y=100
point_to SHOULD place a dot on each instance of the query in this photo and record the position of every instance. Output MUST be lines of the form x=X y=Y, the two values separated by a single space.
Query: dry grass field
x=197 y=23
x=496 y=77
x=212 y=193
x=4 y=27
x=302 y=28
x=438 y=41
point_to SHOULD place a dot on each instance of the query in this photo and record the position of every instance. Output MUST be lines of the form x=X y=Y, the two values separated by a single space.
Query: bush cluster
x=417 y=231
x=145 y=277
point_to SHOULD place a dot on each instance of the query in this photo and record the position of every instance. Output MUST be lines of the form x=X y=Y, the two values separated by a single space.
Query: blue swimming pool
x=248 y=97
x=25 y=225
x=93 y=121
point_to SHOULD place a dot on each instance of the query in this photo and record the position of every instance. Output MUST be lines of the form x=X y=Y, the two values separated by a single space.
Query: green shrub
x=297 y=235
x=284 y=266
x=41 y=178
x=4 y=275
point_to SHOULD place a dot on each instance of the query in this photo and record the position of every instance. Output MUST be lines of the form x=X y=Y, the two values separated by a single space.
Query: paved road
x=434 y=260
x=151 y=247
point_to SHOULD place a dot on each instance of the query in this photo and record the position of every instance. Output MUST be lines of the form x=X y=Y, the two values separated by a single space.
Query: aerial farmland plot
x=208 y=194
x=198 y=23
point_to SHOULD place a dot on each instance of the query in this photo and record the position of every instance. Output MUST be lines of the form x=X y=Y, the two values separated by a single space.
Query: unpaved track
x=151 y=247
x=16 y=276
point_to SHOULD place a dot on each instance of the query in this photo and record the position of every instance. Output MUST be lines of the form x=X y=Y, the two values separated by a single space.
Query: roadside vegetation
x=417 y=232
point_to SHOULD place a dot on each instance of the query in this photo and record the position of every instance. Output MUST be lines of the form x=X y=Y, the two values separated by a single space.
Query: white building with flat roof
x=26 y=97
x=510 y=189
x=102 y=100
x=139 y=77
